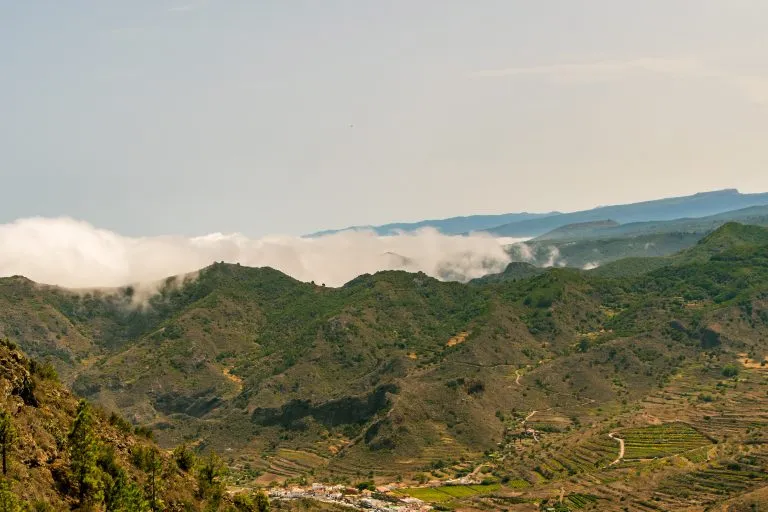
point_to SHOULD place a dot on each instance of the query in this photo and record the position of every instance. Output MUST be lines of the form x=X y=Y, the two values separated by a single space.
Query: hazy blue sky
x=150 y=116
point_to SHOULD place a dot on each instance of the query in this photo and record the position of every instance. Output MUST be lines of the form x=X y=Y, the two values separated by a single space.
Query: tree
x=83 y=453
x=120 y=493
x=258 y=502
x=262 y=501
x=7 y=437
x=184 y=457
x=209 y=485
x=154 y=469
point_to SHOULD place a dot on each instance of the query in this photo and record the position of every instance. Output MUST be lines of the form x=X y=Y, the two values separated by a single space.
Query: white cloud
x=74 y=254
x=553 y=258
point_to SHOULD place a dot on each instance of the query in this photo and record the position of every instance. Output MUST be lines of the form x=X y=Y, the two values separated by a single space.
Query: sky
x=160 y=117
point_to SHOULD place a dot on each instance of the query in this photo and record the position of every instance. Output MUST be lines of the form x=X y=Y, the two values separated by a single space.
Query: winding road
x=612 y=435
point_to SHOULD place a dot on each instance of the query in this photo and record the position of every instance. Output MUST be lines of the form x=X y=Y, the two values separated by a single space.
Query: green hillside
x=409 y=378
x=59 y=453
x=593 y=244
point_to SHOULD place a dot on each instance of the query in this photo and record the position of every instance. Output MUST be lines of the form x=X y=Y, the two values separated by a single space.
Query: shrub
x=730 y=370
x=144 y=431
x=141 y=456
x=184 y=457
x=8 y=500
x=45 y=370
x=120 y=423
x=257 y=502
x=362 y=486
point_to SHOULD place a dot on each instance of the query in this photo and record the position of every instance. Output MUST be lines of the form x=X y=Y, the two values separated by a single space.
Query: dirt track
x=612 y=435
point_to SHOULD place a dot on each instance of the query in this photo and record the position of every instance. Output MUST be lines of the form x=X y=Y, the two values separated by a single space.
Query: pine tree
x=83 y=453
x=262 y=501
x=154 y=469
x=7 y=437
x=122 y=495
x=210 y=487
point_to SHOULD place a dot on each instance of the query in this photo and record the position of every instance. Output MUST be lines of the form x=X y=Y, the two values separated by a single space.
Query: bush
x=8 y=500
x=257 y=502
x=184 y=458
x=141 y=430
x=141 y=457
x=730 y=370
x=45 y=371
x=362 y=486
x=120 y=423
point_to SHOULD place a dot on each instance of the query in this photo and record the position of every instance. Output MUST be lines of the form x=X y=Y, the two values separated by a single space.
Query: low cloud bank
x=75 y=254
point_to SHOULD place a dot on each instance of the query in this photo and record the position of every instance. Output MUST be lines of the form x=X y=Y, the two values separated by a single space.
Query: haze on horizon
x=189 y=117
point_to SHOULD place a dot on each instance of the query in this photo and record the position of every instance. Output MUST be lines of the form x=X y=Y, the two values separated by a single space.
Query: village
x=382 y=499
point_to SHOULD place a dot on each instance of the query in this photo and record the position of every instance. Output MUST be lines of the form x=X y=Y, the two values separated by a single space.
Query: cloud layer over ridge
x=75 y=254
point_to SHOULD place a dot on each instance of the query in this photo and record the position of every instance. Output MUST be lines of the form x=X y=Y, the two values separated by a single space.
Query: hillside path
x=612 y=435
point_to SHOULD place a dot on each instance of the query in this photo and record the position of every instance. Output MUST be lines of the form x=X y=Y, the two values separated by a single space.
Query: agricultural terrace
x=661 y=440
x=447 y=492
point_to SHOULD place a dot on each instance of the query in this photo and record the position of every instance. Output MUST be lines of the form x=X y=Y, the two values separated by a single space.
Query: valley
x=526 y=391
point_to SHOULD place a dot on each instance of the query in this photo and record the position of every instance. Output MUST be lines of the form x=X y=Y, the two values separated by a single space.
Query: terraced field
x=711 y=483
x=586 y=457
x=448 y=492
x=579 y=501
x=661 y=440
x=698 y=455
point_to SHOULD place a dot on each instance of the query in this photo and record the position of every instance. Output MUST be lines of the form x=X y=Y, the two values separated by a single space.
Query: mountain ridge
x=527 y=224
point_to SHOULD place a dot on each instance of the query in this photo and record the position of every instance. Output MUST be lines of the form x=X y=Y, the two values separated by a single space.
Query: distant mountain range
x=697 y=205
x=592 y=244
x=611 y=229
x=535 y=224
x=451 y=226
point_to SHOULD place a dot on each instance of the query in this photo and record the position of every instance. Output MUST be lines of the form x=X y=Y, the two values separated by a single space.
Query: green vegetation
x=398 y=377
x=448 y=492
x=184 y=457
x=258 y=502
x=70 y=455
x=730 y=370
x=7 y=438
x=209 y=484
x=661 y=440
x=579 y=501
x=83 y=452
